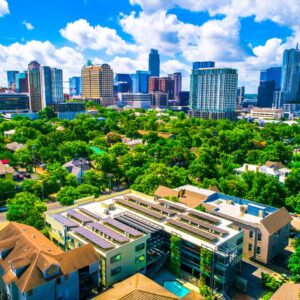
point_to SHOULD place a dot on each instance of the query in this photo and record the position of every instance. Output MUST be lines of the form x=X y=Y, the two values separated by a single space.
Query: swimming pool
x=176 y=288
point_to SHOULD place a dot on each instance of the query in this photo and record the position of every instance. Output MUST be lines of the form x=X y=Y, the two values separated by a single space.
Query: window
x=251 y=234
x=30 y=292
x=116 y=271
x=58 y=280
x=115 y=258
x=140 y=247
x=240 y=228
x=66 y=277
x=258 y=250
x=140 y=259
x=239 y=241
x=259 y=236
x=250 y=247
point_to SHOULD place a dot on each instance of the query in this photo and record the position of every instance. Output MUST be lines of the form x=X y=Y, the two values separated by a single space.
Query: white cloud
x=28 y=25
x=17 y=56
x=85 y=36
x=3 y=8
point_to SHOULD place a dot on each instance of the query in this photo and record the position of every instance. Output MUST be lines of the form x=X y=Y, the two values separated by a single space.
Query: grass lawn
x=266 y=296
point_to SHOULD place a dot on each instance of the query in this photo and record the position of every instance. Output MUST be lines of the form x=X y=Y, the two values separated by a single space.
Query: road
x=50 y=206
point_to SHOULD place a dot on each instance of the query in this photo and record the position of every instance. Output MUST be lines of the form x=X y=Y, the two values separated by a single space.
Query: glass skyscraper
x=203 y=64
x=154 y=63
x=11 y=78
x=290 y=80
x=124 y=83
x=75 y=86
x=140 y=82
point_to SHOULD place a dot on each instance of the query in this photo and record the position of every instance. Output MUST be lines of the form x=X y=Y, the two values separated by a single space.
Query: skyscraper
x=240 y=95
x=97 y=83
x=177 y=78
x=75 y=86
x=166 y=85
x=57 y=85
x=154 y=63
x=140 y=82
x=22 y=82
x=290 y=80
x=124 y=83
x=153 y=84
x=203 y=64
x=213 y=93
x=34 y=85
x=11 y=78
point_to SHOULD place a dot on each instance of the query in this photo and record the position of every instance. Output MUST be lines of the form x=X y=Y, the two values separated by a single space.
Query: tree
x=113 y=138
x=7 y=189
x=293 y=182
x=26 y=208
x=293 y=203
x=294 y=264
x=47 y=113
x=32 y=186
x=67 y=195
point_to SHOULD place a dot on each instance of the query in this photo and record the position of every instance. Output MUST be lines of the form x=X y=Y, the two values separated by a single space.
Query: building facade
x=34 y=86
x=123 y=82
x=265 y=95
x=213 y=93
x=160 y=99
x=154 y=63
x=267 y=113
x=140 y=81
x=135 y=100
x=203 y=64
x=177 y=79
x=75 y=86
x=22 y=82
x=11 y=103
x=11 y=79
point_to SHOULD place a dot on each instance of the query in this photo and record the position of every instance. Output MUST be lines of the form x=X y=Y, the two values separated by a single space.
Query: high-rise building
x=159 y=99
x=123 y=83
x=184 y=98
x=97 y=84
x=140 y=82
x=213 y=93
x=177 y=79
x=153 y=84
x=75 y=86
x=34 y=85
x=11 y=79
x=203 y=64
x=154 y=63
x=57 y=85
x=46 y=87
x=22 y=82
x=290 y=80
x=240 y=95
x=265 y=93
x=166 y=85
x=274 y=74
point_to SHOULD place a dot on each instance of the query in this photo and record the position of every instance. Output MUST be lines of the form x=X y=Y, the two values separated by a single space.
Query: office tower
x=154 y=63
x=97 y=84
x=213 y=93
x=123 y=83
x=46 y=88
x=274 y=74
x=177 y=79
x=184 y=98
x=240 y=95
x=203 y=64
x=153 y=84
x=11 y=79
x=140 y=82
x=290 y=75
x=166 y=85
x=160 y=99
x=75 y=86
x=57 y=85
x=265 y=93
x=135 y=100
x=34 y=84
x=22 y=82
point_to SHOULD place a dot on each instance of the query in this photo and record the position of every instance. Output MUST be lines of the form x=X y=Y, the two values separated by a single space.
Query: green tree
x=294 y=264
x=26 y=208
x=7 y=190
x=47 y=113
x=293 y=182
x=32 y=186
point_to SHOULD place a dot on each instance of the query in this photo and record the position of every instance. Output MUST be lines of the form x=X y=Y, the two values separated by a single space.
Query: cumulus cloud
x=3 y=8
x=28 y=25
x=96 y=37
x=17 y=56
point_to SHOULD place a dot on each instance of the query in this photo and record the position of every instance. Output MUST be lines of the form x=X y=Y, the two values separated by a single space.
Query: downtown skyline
x=243 y=36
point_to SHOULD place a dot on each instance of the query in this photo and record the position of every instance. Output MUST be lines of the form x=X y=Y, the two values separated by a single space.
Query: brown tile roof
x=277 y=220
x=164 y=135
x=192 y=199
x=163 y=191
x=14 y=146
x=274 y=164
x=30 y=249
x=137 y=287
x=288 y=291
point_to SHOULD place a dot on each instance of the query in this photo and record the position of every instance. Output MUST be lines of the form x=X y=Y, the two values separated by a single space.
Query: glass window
x=259 y=236
x=58 y=280
x=115 y=258
x=258 y=250
x=140 y=247
x=239 y=241
x=250 y=247
x=251 y=234
x=140 y=259
x=116 y=271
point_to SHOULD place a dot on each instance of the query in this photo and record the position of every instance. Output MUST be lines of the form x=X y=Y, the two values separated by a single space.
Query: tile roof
x=30 y=249
x=274 y=164
x=163 y=191
x=14 y=146
x=192 y=199
x=276 y=220
x=288 y=291
x=137 y=287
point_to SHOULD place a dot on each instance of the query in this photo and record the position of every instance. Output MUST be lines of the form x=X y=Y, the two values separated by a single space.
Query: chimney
x=257 y=169
x=246 y=167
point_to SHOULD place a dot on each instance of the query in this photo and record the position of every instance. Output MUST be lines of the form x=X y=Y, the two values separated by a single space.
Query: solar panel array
x=78 y=216
x=204 y=217
x=122 y=227
x=141 y=209
x=107 y=232
x=89 y=213
x=65 y=221
x=204 y=225
x=93 y=238
x=172 y=205
x=193 y=230
x=153 y=206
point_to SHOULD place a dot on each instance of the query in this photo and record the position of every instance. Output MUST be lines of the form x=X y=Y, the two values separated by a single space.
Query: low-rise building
x=77 y=167
x=266 y=229
x=14 y=102
x=133 y=232
x=267 y=113
x=32 y=267
x=135 y=100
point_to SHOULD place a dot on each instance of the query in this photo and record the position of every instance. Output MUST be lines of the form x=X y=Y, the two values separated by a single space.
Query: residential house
x=77 y=167
x=14 y=146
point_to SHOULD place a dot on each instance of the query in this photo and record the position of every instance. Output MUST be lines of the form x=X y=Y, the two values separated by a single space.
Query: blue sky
x=245 y=34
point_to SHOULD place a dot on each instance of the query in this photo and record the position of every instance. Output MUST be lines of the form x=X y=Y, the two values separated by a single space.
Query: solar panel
x=172 y=205
x=93 y=238
x=108 y=232
x=122 y=227
x=89 y=213
x=193 y=230
x=78 y=216
x=65 y=221
x=152 y=205
x=141 y=209
x=204 y=216
x=204 y=225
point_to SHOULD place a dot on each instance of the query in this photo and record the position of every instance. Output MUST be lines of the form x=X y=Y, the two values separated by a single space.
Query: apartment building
x=32 y=267
x=266 y=229
x=134 y=232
